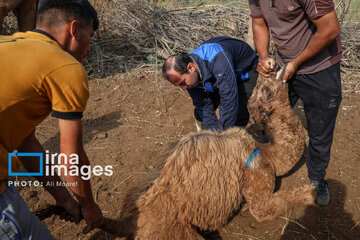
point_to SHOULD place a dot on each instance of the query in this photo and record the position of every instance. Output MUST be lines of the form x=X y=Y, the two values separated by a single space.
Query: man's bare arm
x=327 y=29
x=60 y=193
x=71 y=142
x=266 y=65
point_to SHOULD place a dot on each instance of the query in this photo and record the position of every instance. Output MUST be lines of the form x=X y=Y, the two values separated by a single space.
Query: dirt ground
x=129 y=123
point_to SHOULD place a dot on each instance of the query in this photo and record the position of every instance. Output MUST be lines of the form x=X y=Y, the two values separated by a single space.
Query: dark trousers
x=321 y=95
x=244 y=92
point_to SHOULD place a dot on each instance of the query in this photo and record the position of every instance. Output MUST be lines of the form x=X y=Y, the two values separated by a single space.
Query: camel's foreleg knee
x=268 y=206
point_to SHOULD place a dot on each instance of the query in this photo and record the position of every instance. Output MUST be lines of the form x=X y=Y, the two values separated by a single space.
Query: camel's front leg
x=265 y=205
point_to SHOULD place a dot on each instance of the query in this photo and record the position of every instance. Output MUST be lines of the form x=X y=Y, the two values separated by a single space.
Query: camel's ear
x=280 y=74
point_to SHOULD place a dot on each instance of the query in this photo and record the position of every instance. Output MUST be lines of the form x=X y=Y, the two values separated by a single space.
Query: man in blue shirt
x=220 y=73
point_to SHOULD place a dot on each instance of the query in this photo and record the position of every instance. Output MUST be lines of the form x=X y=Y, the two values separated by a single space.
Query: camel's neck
x=287 y=139
x=284 y=126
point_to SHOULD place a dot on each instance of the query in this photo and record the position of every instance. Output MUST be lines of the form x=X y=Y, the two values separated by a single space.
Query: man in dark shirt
x=306 y=37
x=220 y=73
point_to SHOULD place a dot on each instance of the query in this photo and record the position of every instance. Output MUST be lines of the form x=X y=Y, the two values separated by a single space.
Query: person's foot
x=323 y=195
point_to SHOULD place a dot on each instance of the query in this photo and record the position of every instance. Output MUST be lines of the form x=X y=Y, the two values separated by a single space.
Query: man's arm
x=71 y=142
x=60 y=193
x=204 y=107
x=226 y=81
x=266 y=65
x=327 y=29
x=223 y=72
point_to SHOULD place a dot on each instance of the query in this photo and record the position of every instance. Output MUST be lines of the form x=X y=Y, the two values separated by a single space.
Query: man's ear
x=190 y=67
x=74 y=29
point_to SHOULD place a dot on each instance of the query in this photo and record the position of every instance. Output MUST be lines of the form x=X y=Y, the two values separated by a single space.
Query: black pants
x=321 y=95
x=244 y=92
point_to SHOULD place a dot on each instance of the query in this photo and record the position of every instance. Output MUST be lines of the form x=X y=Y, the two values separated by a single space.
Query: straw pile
x=350 y=30
x=137 y=32
x=134 y=33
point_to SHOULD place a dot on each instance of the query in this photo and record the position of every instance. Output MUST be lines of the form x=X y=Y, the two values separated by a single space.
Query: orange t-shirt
x=37 y=77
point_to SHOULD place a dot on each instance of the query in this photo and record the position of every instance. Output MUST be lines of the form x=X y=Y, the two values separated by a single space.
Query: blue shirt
x=222 y=61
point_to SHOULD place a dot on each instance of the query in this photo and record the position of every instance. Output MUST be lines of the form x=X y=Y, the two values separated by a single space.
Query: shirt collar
x=46 y=34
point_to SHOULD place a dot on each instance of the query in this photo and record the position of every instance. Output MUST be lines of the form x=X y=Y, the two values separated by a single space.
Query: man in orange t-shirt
x=42 y=74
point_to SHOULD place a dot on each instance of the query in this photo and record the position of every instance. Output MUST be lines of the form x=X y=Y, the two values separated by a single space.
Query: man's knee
x=8 y=230
x=321 y=123
x=18 y=214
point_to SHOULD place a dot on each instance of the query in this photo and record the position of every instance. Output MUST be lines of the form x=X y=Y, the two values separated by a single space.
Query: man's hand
x=290 y=71
x=266 y=66
x=60 y=193
x=93 y=217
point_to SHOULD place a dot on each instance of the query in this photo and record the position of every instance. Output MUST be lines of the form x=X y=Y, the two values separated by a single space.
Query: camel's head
x=267 y=94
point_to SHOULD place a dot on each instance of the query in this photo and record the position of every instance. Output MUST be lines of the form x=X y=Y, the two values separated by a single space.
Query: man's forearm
x=80 y=187
x=71 y=143
x=59 y=192
x=31 y=164
x=261 y=37
x=327 y=30
x=315 y=46
x=211 y=122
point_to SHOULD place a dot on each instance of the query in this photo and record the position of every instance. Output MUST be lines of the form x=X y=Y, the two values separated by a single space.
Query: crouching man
x=42 y=73
x=220 y=73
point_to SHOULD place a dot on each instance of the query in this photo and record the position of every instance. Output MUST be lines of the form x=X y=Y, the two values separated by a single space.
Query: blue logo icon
x=40 y=155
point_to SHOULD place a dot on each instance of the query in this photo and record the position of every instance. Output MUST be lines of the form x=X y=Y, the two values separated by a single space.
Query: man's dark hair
x=80 y=10
x=178 y=62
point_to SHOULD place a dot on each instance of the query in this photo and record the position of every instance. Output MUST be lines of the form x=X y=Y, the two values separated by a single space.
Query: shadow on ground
x=329 y=222
x=91 y=128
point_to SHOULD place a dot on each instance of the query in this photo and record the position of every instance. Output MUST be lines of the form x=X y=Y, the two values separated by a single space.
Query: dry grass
x=135 y=33
x=10 y=24
x=350 y=22
x=350 y=80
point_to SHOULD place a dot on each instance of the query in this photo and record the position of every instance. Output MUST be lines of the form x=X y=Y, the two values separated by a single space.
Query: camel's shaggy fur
x=204 y=178
x=269 y=104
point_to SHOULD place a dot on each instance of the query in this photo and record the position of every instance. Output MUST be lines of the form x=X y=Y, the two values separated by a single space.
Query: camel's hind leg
x=166 y=231
x=188 y=232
